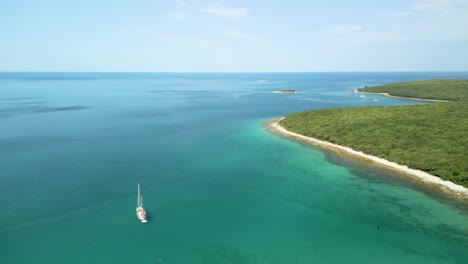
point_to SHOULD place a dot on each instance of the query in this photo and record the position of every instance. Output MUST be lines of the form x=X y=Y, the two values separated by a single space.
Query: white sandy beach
x=449 y=186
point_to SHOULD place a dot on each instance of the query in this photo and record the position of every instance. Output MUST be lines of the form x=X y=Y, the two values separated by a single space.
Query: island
x=284 y=91
x=426 y=141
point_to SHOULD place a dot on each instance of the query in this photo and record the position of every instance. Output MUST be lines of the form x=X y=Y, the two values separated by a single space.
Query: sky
x=233 y=36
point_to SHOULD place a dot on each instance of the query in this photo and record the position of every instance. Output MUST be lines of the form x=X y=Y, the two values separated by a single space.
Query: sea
x=217 y=186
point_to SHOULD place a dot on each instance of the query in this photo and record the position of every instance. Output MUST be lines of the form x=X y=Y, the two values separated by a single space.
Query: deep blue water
x=217 y=186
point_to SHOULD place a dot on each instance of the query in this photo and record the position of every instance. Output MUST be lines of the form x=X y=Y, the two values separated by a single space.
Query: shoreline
x=400 y=97
x=447 y=186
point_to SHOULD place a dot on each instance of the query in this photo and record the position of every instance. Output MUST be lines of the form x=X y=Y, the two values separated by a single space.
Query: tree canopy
x=452 y=90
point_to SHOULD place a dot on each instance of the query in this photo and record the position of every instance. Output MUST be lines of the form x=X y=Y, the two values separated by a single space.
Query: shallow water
x=218 y=187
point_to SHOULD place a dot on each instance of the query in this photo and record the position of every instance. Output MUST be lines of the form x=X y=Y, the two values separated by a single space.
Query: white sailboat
x=140 y=212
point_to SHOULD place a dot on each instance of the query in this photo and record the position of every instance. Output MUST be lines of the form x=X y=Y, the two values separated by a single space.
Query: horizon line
x=234 y=72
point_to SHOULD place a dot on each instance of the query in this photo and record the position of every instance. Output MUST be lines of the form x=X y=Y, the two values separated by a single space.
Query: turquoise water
x=218 y=187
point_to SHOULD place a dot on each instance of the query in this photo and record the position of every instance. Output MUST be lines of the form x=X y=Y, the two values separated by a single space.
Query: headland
x=446 y=186
x=423 y=141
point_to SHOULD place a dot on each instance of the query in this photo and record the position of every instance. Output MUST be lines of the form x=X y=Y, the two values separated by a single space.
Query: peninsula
x=428 y=141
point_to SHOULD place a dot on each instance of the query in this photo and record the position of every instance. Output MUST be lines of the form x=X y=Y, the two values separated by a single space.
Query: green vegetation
x=453 y=90
x=431 y=137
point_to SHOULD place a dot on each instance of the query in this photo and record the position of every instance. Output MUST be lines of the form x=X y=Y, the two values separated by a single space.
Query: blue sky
x=234 y=36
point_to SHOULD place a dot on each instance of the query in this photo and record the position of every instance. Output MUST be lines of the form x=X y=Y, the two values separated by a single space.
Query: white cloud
x=212 y=9
x=445 y=20
x=237 y=34
x=396 y=14
x=185 y=4
x=177 y=16
x=439 y=5
x=401 y=13
x=439 y=21
x=226 y=12
x=340 y=30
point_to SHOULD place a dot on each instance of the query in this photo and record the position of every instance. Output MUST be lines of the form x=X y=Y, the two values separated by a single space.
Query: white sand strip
x=421 y=175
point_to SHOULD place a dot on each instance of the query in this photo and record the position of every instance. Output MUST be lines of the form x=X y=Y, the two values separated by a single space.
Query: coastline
x=400 y=97
x=446 y=186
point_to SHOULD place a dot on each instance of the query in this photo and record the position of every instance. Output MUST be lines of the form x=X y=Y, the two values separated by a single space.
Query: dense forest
x=452 y=90
x=431 y=137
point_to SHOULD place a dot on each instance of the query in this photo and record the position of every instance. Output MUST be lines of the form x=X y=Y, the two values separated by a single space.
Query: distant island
x=284 y=91
x=420 y=140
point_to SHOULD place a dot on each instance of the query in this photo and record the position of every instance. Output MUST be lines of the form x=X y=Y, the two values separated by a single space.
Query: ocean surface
x=217 y=186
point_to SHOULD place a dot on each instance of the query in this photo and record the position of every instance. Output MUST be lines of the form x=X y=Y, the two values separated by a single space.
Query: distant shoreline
x=447 y=186
x=401 y=97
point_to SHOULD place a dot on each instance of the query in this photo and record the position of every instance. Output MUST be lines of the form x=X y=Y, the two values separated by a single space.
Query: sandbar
x=284 y=91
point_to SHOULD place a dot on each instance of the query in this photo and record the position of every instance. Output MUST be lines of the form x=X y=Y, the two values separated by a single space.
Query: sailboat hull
x=141 y=214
